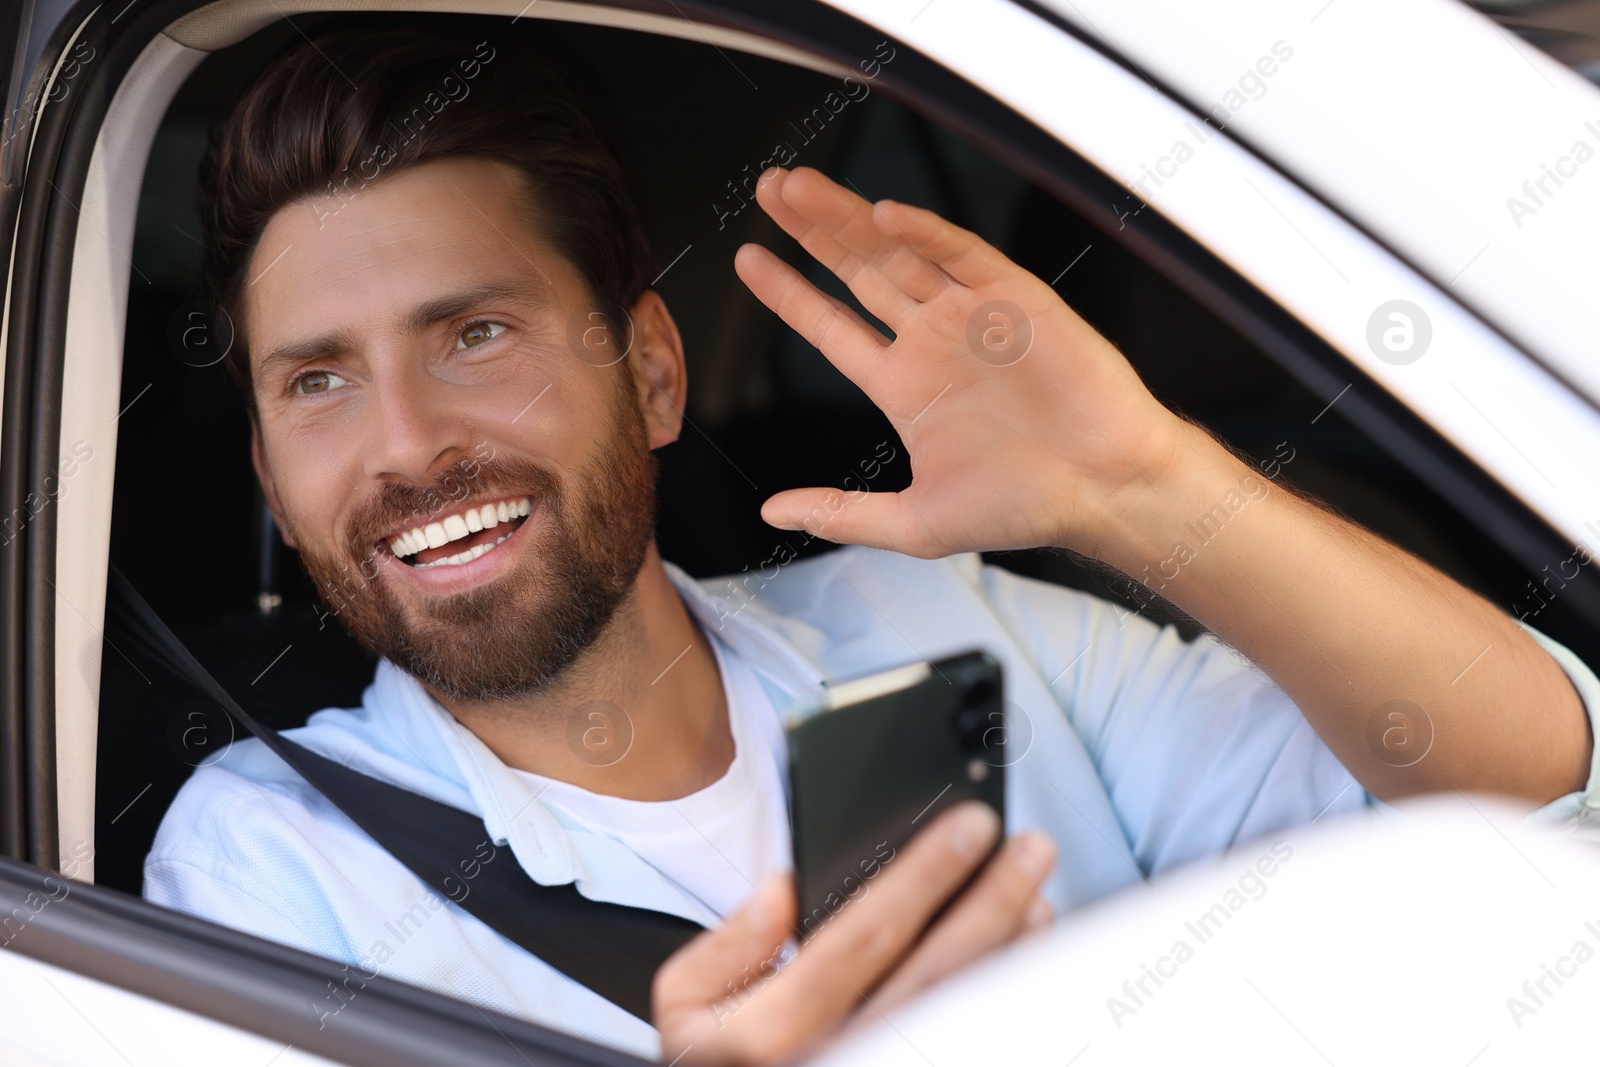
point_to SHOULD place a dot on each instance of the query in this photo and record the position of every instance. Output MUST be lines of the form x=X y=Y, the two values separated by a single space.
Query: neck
x=640 y=714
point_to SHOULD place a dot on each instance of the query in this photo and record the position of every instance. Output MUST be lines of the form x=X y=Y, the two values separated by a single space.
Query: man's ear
x=656 y=361
x=269 y=488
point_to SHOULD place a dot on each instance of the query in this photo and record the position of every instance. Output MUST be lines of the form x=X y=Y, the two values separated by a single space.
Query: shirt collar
x=782 y=649
x=775 y=647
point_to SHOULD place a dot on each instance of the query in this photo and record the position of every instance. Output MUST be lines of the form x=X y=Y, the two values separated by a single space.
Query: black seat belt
x=613 y=949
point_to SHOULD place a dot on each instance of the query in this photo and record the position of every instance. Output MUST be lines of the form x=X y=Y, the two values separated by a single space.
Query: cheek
x=310 y=488
x=559 y=413
x=525 y=383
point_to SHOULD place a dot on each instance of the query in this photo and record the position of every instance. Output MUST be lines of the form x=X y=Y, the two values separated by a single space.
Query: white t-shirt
x=719 y=843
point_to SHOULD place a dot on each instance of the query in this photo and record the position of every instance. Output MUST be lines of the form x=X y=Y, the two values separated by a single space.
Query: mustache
x=402 y=505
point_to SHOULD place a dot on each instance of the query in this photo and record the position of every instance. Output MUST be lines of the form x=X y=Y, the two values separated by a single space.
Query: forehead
x=362 y=262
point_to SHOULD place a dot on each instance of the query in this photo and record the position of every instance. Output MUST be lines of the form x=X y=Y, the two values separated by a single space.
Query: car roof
x=1426 y=144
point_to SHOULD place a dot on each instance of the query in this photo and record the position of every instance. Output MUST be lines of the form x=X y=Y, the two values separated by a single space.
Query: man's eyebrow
x=419 y=318
x=426 y=314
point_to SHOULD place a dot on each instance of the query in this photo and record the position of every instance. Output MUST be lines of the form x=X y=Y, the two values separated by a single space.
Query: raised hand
x=1023 y=424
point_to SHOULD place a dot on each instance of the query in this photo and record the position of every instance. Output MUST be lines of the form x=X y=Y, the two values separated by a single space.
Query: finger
x=878 y=292
x=820 y=212
x=837 y=227
x=854 y=948
x=826 y=324
x=876 y=520
x=697 y=974
x=994 y=911
x=962 y=254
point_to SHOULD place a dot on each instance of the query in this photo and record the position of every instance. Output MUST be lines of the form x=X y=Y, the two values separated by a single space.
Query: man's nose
x=414 y=426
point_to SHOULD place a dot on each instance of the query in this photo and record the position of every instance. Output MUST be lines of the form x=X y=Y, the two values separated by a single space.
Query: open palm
x=1023 y=424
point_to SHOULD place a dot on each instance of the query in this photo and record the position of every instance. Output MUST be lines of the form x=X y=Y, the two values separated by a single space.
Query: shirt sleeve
x=219 y=895
x=1197 y=747
x=243 y=854
x=1575 y=808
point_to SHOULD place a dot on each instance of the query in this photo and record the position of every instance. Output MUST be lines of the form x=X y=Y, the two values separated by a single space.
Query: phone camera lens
x=978 y=693
x=972 y=727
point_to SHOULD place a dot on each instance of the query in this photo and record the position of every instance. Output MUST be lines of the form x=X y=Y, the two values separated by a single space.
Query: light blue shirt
x=1142 y=752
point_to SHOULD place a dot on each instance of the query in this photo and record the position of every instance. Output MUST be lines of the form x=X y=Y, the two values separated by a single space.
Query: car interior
x=765 y=411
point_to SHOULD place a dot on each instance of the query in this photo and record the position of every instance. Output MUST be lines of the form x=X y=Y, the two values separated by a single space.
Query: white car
x=1359 y=239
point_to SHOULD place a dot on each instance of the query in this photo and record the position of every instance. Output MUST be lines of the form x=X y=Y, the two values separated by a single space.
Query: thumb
x=700 y=972
x=877 y=520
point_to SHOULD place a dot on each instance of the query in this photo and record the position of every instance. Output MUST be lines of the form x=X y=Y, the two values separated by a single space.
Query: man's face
x=413 y=372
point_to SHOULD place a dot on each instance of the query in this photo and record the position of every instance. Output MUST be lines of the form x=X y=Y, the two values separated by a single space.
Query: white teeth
x=455 y=527
x=468 y=556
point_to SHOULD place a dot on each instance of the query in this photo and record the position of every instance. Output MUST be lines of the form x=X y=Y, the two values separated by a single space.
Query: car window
x=766 y=411
x=1569 y=30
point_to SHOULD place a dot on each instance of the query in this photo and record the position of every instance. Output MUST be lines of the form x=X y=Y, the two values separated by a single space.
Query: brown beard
x=517 y=634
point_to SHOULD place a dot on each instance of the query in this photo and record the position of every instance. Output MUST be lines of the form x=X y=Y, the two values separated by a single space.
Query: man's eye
x=478 y=332
x=318 y=381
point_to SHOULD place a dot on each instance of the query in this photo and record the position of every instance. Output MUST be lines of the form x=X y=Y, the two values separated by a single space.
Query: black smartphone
x=881 y=758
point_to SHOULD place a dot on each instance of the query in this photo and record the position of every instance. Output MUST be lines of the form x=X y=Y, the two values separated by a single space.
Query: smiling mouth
x=462 y=536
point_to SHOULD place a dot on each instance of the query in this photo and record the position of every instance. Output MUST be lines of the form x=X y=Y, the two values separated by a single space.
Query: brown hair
x=329 y=117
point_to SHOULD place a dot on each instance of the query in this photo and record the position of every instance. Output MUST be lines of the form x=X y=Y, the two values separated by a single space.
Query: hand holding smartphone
x=878 y=764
